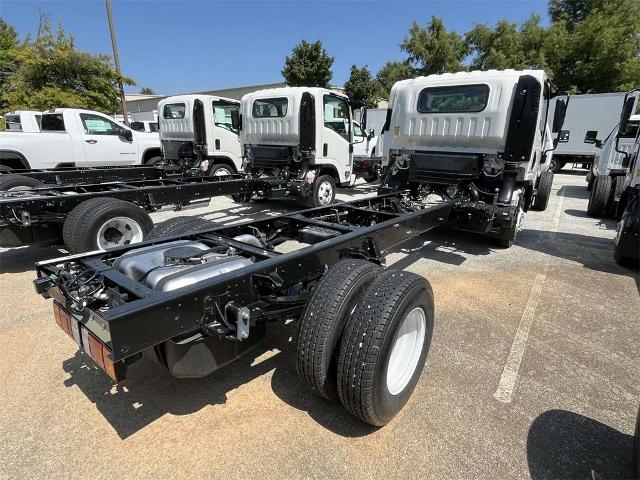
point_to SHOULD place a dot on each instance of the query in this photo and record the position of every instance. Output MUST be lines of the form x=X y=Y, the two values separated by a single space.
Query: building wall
x=149 y=103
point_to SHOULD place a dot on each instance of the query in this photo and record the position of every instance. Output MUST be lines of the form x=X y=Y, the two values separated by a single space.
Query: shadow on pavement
x=576 y=191
x=442 y=245
x=563 y=444
x=150 y=392
x=23 y=259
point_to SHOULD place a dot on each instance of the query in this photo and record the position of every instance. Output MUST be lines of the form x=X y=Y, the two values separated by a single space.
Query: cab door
x=336 y=135
x=105 y=143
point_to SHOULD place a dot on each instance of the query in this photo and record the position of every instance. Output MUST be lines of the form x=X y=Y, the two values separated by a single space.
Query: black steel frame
x=52 y=204
x=95 y=175
x=140 y=318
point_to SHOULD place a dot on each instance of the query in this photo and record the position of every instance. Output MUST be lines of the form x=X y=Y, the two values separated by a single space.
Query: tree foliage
x=361 y=88
x=589 y=46
x=49 y=72
x=390 y=73
x=433 y=49
x=308 y=66
x=147 y=91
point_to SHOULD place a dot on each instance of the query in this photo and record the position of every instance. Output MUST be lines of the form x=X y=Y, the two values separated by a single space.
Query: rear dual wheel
x=364 y=338
x=101 y=223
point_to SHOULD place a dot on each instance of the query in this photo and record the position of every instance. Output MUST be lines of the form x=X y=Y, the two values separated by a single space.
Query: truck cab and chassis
x=480 y=138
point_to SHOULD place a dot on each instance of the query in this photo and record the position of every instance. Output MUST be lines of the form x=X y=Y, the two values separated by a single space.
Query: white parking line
x=506 y=387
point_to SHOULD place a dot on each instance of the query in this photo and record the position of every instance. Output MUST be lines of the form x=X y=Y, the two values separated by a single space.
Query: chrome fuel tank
x=176 y=264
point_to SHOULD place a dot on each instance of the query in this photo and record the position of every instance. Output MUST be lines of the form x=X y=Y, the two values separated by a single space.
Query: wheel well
x=329 y=170
x=12 y=159
x=226 y=160
x=150 y=153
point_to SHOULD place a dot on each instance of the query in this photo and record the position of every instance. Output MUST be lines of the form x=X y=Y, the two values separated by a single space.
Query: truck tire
x=543 y=192
x=177 y=226
x=104 y=222
x=10 y=182
x=617 y=185
x=220 y=169
x=324 y=191
x=556 y=165
x=626 y=244
x=385 y=345
x=333 y=301
x=599 y=196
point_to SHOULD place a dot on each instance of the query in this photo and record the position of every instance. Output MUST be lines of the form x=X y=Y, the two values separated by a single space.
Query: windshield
x=222 y=114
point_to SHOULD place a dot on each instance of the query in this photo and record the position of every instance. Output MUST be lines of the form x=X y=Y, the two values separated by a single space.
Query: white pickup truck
x=72 y=137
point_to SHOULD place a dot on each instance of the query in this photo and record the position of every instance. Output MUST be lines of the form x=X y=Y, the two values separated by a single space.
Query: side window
x=632 y=129
x=454 y=99
x=357 y=130
x=563 y=136
x=222 y=114
x=96 y=125
x=137 y=126
x=13 y=123
x=270 y=107
x=53 y=122
x=336 y=115
x=154 y=127
x=174 y=110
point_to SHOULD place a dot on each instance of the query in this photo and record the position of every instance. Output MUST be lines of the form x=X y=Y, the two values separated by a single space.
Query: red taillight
x=92 y=346
x=63 y=319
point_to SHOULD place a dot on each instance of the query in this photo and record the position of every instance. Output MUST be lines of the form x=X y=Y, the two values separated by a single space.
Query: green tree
x=392 y=72
x=8 y=62
x=50 y=72
x=432 y=49
x=604 y=47
x=147 y=91
x=308 y=66
x=361 y=89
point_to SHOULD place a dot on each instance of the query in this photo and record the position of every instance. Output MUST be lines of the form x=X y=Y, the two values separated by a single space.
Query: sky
x=188 y=46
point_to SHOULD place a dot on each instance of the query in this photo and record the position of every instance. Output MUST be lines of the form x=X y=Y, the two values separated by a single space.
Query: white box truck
x=589 y=117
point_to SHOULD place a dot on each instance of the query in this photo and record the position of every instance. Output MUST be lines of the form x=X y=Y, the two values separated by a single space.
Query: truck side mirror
x=591 y=136
x=598 y=143
x=363 y=118
x=372 y=134
x=626 y=114
x=236 y=122
x=558 y=115
x=127 y=134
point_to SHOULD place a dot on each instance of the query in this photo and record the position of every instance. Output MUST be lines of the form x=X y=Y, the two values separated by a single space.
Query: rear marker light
x=92 y=346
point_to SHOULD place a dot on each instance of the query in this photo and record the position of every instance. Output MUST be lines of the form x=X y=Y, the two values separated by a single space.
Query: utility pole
x=116 y=60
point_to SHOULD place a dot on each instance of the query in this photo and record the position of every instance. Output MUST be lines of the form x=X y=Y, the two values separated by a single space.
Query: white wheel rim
x=325 y=192
x=406 y=350
x=119 y=231
x=221 y=172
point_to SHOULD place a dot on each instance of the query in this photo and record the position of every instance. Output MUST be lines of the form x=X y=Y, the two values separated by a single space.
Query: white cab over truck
x=301 y=134
x=22 y=121
x=478 y=136
x=197 y=128
x=627 y=241
x=606 y=177
x=74 y=137
x=588 y=117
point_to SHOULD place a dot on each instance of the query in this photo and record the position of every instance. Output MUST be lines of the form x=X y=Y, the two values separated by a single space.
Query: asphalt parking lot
x=533 y=373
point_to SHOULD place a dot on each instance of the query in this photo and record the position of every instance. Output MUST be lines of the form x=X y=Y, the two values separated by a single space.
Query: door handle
x=91 y=141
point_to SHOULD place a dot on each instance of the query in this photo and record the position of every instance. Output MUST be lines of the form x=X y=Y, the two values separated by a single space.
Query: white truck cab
x=75 y=137
x=22 y=121
x=198 y=128
x=627 y=241
x=481 y=136
x=299 y=133
x=605 y=180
